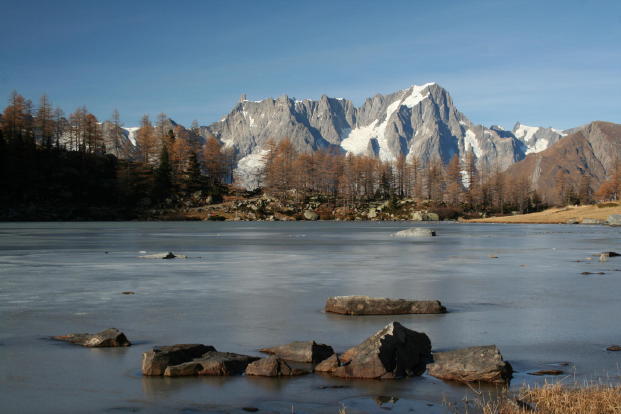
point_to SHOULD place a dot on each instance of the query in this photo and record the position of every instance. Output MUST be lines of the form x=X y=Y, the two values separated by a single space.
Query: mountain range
x=420 y=121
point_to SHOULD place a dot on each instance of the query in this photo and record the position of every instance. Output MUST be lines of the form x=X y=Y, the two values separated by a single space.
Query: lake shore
x=592 y=214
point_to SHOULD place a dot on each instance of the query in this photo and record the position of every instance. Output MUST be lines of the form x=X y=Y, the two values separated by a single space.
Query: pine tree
x=162 y=186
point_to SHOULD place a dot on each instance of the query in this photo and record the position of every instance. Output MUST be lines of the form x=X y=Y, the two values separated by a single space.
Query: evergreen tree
x=162 y=186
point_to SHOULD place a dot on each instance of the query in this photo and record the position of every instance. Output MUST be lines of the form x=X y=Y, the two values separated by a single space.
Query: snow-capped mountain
x=420 y=121
x=536 y=139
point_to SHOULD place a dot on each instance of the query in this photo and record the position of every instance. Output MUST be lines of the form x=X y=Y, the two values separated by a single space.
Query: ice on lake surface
x=249 y=285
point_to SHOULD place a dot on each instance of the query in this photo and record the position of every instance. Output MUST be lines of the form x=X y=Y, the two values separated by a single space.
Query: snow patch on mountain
x=357 y=140
x=131 y=134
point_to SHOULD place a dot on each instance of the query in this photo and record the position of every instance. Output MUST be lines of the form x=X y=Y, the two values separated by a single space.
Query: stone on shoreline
x=477 y=363
x=415 y=232
x=105 y=339
x=588 y=220
x=614 y=220
x=365 y=305
x=301 y=351
x=393 y=352
x=310 y=215
x=272 y=366
x=212 y=363
x=156 y=361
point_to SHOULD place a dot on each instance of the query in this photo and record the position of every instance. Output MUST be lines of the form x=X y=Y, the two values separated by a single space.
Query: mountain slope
x=592 y=151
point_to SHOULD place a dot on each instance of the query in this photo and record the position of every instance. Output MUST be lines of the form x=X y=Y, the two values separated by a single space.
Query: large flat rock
x=105 y=339
x=365 y=305
x=478 y=363
x=272 y=366
x=392 y=352
x=212 y=363
x=156 y=361
x=301 y=351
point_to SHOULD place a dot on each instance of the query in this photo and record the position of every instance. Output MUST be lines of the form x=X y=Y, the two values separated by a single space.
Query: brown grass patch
x=558 y=399
x=556 y=215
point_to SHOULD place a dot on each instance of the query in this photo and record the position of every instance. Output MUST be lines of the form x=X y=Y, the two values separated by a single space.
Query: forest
x=76 y=167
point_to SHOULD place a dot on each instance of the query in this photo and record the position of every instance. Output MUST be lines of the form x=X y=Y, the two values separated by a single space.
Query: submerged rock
x=301 y=351
x=392 y=352
x=365 y=305
x=543 y=372
x=272 y=366
x=105 y=339
x=156 y=361
x=614 y=348
x=212 y=363
x=477 y=363
x=415 y=232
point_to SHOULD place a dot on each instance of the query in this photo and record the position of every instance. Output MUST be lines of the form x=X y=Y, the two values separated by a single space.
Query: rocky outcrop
x=156 y=361
x=365 y=305
x=392 y=352
x=415 y=232
x=479 y=363
x=272 y=367
x=301 y=351
x=105 y=339
x=212 y=363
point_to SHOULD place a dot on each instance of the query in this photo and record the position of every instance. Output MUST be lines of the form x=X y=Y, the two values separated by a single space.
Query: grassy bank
x=558 y=215
x=558 y=399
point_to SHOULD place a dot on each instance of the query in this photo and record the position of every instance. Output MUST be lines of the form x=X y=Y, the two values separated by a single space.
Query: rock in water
x=301 y=351
x=365 y=305
x=156 y=361
x=170 y=255
x=393 y=352
x=478 y=363
x=614 y=220
x=212 y=363
x=328 y=365
x=105 y=339
x=272 y=366
x=415 y=232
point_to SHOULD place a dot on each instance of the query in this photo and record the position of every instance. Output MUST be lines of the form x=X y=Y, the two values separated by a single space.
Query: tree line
x=57 y=166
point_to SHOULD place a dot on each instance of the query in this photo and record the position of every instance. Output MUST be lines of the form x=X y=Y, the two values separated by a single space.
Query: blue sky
x=550 y=63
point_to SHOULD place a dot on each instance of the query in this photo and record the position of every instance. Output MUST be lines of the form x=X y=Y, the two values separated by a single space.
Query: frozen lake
x=249 y=285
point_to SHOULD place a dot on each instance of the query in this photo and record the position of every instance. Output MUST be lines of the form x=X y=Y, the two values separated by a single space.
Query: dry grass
x=557 y=215
x=558 y=399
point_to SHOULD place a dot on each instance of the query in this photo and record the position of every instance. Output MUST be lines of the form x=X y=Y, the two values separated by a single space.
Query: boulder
x=433 y=217
x=212 y=363
x=392 y=352
x=614 y=348
x=611 y=254
x=372 y=213
x=418 y=216
x=365 y=305
x=310 y=215
x=301 y=351
x=572 y=221
x=168 y=255
x=415 y=232
x=272 y=366
x=156 y=361
x=328 y=365
x=478 y=363
x=614 y=220
x=105 y=339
